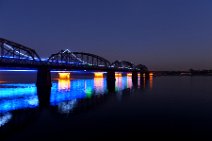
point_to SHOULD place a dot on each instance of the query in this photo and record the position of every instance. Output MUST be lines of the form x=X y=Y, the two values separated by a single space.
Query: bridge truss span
x=11 y=51
x=78 y=58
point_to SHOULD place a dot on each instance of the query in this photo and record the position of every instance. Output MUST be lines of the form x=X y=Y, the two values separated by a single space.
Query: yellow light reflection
x=118 y=77
x=118 y=74
x=139 y=80
x=151 y=81
x=129 y=81
x=129 y=74
x=151 y=74
x=98 y=75
x=99 y=83
x=64 y=82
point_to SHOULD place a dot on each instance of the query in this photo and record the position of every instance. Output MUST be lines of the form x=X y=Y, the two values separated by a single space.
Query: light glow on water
x=118 y=74
x=64 y=75
x=64 y=85
x=18 y=103
x=67 y=107
x=17 y=96
x=129 y=74
x=5 y=118
x=17 y=90
x=98 y=75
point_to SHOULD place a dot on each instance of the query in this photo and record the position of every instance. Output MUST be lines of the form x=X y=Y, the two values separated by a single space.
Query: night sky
x=162 y=34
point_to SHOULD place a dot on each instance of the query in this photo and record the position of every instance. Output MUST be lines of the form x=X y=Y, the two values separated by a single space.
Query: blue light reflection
x=67 y=90
x=21 y=96
x=17 y=96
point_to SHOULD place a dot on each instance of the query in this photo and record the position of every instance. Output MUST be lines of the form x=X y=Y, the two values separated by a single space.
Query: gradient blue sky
x=162 y=34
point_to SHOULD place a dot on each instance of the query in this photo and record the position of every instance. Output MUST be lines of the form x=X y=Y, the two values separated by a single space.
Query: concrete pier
x=111 y=80
x=44 y=85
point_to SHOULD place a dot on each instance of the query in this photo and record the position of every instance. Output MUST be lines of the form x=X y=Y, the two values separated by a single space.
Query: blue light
x=17 y=96
x=67 y=107
x=18 y=103
x=79 y=89
x=17 y=70
x=17 y=90
x=5 y=118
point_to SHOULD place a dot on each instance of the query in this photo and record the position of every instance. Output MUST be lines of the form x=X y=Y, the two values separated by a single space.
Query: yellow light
x=139 y=74
x=64 y=84
x=129 y=74
x=118 y=74
x=151 y=74
x=64 y=75
x=98 y=75
x=151 y=81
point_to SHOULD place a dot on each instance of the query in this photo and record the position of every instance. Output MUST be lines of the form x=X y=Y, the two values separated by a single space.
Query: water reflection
x=5 y=118
x=123 y=82
x=69 y=90
x=129 y=81
x=64 y=85
x=17 y=96
x=150 y=82
x=118 y=82
x=22 y=96
x=66 y=92
x=67 y=107
x=99 y=83
x=19 y=102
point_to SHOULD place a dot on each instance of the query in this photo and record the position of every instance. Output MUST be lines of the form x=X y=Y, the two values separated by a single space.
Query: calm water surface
x=80 y=108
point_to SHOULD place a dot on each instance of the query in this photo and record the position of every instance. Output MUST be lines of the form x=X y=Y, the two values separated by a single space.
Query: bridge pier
x=111 y=80
x=146 y=75
x=135 y=78
x=43 y=86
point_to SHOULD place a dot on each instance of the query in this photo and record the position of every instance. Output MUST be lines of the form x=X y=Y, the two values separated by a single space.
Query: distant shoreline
x=183 y=73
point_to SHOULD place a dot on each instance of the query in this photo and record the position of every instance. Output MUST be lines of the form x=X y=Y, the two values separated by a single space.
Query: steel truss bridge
x=13 y=54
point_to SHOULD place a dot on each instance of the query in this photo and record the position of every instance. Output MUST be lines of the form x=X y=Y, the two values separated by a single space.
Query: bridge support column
x=147 y=75
x=43 y=86
x=111 y=81
x=135 y=78
x=144 y=79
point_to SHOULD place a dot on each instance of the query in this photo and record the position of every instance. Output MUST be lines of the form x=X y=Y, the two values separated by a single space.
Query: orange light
x=118 y=74
x=64 y=75
x=64 y=81
x=151 y=81
x=129 y=74
x=2 y=82
x=151 y=74
x=139 y=75
x=98 y=75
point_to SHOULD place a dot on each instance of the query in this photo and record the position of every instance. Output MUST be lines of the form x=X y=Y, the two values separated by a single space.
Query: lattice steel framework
x=12 y=50
x=142 y=68
x=78 y=58
x=123 y=64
